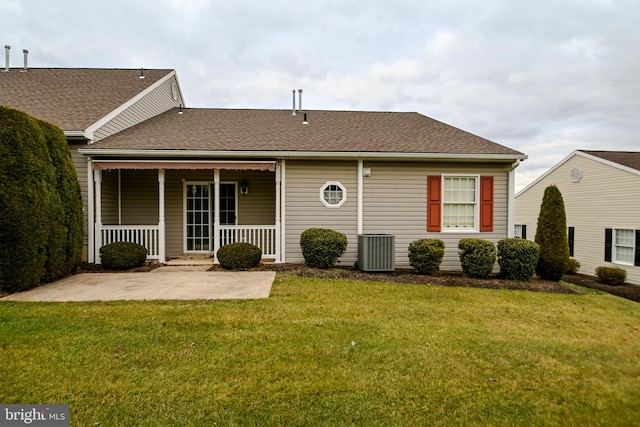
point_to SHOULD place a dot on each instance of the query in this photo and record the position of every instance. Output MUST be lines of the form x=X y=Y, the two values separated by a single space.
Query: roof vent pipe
x=26 y=54
x=141 y=73
x=294 y=102
x=299 y=99
x=6 y=57
x=304 y=121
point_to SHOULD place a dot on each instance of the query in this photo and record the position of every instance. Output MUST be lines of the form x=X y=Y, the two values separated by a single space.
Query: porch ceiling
x=181 y=164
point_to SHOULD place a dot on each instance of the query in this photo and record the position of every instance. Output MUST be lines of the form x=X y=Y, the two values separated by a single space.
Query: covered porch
x=177 y=208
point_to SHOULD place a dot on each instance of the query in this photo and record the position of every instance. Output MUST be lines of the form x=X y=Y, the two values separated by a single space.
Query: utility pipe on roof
x=294 y=102
x=26 y=54
x=6 y=57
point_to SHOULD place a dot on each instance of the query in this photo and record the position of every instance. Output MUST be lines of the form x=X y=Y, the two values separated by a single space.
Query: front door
x=199 y=207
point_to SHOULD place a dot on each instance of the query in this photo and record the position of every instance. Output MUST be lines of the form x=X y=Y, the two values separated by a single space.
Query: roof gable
x=73 y=98
x=625 y=160
x=226 y=130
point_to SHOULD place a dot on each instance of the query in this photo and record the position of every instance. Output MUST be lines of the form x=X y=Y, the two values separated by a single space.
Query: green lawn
x=331 y=352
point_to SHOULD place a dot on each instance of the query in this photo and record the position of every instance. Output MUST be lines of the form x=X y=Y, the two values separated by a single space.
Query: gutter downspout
x=360 y=221
x=511 y=204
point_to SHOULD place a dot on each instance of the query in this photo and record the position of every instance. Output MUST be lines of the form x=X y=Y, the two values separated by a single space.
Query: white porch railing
x=263 y=236
x=145 y=235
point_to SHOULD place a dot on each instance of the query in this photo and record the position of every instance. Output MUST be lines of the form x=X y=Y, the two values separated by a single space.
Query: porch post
x=282 y=230
x=360 y=214
x=277 y=242
x=90 y=213
x=216 y=214
x=97 y=177
x=161 y=225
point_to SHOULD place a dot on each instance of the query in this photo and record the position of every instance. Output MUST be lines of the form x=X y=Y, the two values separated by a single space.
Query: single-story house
x=189 y=180
x=601 y=193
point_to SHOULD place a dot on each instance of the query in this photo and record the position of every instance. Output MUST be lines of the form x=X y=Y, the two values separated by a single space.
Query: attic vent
x=576 y=174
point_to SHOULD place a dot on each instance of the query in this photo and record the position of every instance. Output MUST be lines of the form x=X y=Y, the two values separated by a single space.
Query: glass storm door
x=198 y=218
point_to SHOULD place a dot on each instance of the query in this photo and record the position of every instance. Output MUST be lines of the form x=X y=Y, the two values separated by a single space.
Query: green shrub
x=573 y=266
x=518 y=259
x=425 y=255
x=551 y=235
x=477 y=257
x=611 y=275
x=41 y=228
x=122 y=255
x=239 y=256
x=322 y=247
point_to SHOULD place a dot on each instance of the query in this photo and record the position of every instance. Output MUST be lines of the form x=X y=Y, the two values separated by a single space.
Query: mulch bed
x=445 y=278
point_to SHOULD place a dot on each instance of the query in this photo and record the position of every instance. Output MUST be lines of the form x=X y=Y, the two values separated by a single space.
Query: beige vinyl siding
x=395 y=202
x=157 y=101
x=304 y=210
x=139 y=194
x=605 y=197
x=80 y=163
x=109 y=198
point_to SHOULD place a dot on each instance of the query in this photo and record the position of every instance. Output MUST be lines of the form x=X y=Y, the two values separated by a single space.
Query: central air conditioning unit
x=376 y=253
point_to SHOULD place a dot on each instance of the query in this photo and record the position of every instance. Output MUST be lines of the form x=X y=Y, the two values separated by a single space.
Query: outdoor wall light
x=244 y=186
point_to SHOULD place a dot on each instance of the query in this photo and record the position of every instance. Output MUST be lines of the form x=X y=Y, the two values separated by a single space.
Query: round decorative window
x=333 y=194
x=576 y=174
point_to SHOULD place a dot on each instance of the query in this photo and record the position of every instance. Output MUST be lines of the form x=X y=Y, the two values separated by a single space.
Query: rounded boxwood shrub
x=322 y=247
x=425 y=255
x=477 y=257
x=518 y=259
x=611 y=275
x=239 y=256
x=122 y=255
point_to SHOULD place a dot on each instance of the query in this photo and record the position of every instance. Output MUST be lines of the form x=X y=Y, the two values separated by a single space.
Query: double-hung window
x=624 y=245
x=459 y=203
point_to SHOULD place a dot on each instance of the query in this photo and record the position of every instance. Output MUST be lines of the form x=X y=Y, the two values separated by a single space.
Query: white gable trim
x=88 y=132
x=586 y=156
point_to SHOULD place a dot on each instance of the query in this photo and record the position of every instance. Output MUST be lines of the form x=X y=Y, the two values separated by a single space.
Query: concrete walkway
x=164 y=283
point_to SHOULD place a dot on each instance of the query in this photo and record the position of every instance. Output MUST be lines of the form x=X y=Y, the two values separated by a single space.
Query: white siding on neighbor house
x=157 y=101
x=394 y=202
x=605 y=197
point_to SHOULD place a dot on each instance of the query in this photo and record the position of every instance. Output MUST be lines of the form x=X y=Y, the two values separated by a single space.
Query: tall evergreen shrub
x=551 y=236
x=34 y=223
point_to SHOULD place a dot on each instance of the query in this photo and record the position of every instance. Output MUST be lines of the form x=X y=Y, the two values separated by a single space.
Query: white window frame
x=517 y=231
x=476 y=208
x=615 y=245
x=333 y=205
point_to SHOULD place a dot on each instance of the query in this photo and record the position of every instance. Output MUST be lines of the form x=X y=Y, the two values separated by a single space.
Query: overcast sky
x=543 y=77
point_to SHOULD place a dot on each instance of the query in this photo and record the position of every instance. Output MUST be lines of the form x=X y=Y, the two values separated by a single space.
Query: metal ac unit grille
x=376 y=252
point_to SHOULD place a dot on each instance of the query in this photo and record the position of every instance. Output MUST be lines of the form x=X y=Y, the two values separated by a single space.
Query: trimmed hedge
x=551 y=235
x=611 y=275
x=122 y=255
x=477 y=257
x=322 y=247
x=239 y=256
x=41 y=221
x=425 y=255
x=518 y=259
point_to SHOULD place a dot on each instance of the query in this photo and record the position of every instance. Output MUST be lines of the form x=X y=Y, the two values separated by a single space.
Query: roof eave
x=479 y=158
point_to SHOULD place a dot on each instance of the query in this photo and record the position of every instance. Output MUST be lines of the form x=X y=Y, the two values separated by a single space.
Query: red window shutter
x=434 y=203
x=486 y=203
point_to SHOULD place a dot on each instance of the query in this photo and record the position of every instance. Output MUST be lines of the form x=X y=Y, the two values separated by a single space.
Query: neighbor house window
x=459 y=200
x=333 y=194
x=623 y=244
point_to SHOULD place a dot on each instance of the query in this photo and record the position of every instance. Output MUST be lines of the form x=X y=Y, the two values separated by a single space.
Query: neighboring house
x=184 y=181
x=601 y=192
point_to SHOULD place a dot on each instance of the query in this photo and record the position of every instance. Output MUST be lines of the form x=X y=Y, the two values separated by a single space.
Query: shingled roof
x=72 y=98
x=227 y=130
x=630 y=159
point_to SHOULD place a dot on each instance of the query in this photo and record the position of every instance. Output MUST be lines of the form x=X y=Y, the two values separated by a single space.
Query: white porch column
x=216 y=214
x=278 y=236
x=282 y=231
x=161 y=221
x=97 y=177
x=91 y=254
x=511 y=202
x=360 y=220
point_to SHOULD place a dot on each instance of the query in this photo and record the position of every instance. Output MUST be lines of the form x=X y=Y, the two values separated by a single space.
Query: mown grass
x=330 y=352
